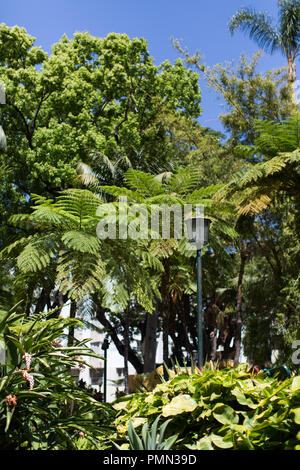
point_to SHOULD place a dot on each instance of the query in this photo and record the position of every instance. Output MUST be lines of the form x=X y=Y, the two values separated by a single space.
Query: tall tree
x=249 y=95
x=269 y=192
x=90 y=97
x=284 y=37
x=179 y=188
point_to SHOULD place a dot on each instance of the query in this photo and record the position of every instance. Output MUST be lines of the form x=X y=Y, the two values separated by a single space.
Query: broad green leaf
x=122 y=405
x=296 y=412
x=225 y=414
x=242 y=399
x=221 y=442
x=205 y=443
x=136 y=422
x=295 y=384
x=178 y=405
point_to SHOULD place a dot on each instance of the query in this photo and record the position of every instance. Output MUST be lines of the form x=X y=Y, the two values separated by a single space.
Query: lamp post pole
x=105 y=377
x=105 y=347
x=198 y=232
x=199 y=309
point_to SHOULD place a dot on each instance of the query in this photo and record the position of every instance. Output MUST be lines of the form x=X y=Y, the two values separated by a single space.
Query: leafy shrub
x=40 y=405
x=218 y=409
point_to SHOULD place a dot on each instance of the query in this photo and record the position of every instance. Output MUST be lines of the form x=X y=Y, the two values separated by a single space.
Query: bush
x=218 y=409
x=40 y=405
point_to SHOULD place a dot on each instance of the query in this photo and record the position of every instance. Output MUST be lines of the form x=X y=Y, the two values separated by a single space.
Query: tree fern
x=278 y=172
x=144 y=183
x=79 y=273
x=65 y=230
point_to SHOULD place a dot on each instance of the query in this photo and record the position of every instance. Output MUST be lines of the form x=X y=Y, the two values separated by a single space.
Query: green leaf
x=9 y=415
x=168 y=443
x=225 y=414
x=296 y=412
x=121 y=405
x=295 y=384
x=178 y=405
x=242 y=399
x=221 y=442
x=135 y=441
x=205 y=443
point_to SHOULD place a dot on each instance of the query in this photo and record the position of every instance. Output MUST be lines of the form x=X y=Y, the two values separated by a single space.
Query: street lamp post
x=105 y=346
x=198 y=231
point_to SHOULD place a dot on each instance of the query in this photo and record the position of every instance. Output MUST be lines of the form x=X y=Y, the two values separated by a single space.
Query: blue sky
x=199 y=25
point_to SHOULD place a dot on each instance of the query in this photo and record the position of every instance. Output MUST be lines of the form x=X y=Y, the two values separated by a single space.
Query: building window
x=120 y=371
x=96 y=375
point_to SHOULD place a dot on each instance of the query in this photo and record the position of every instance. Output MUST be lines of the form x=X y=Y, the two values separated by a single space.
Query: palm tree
x=284 y=37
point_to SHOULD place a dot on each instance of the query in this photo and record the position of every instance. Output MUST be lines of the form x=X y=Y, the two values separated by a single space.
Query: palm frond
x=258 y=25
x=289 y=16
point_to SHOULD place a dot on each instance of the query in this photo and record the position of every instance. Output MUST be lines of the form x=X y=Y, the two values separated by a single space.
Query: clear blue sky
x=198 y=24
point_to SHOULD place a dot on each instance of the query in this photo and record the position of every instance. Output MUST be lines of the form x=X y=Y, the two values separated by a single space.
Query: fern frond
x=184 y=181
x=81 y=241
x=79 y=274
x=147 y=185
x=151 y=261
x=123 y=192
x=38 y=253
x=203 y=193
x=163 y=248
x=80 y=203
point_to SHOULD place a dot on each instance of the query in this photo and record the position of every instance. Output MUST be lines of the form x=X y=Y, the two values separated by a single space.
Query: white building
x=94 y=376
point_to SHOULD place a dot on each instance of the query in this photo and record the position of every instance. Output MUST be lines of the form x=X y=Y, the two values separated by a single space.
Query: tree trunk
x=150 y=343
x=291 y=70
x=132 y=357
x=59 y=301
x=238 y=330
x=183 y=308
x=43 y=300
x=72 y=328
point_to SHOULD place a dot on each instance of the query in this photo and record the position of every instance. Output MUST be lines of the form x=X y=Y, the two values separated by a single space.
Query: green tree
x=276 y=149
x=60 y=253
x=90 y=101
x=179 y=188
x=90 y=96
x=268 y=192
x=285 y=37
x=249 y=96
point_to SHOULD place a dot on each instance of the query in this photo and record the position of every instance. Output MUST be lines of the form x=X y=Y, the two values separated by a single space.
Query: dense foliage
x=41 y=406
x=93 y=122
x=218 y=409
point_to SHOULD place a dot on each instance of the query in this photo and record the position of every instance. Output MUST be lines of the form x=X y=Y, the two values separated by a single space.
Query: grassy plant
x=150 y=439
